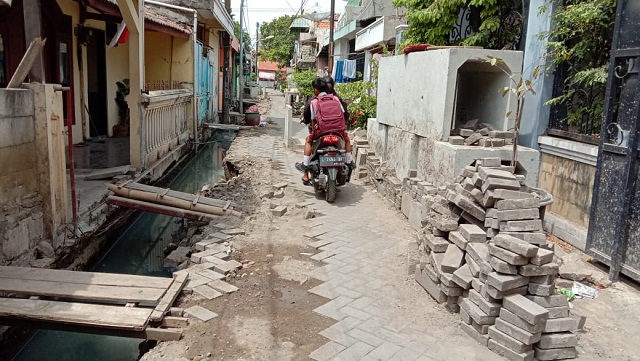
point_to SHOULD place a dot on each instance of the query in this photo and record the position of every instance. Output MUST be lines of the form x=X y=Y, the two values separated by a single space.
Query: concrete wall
x=416 y=111
x=168 y=58
x=21 y=212
x=571 y=184
x=567 y=170
x=421 y=100
x=157 y=46
x=535 y=117
x=117 y=70
x=436 y=161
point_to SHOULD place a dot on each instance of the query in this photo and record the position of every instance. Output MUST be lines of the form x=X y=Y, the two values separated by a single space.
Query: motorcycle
x=328 y=167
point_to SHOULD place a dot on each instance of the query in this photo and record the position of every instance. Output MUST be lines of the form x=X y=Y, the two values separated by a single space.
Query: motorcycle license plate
x=332 y=160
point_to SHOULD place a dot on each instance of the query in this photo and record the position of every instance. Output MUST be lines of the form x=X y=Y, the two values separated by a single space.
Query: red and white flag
x=122 y=35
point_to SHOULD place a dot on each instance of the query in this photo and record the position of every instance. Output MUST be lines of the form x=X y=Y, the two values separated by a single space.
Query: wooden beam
x=169 y=298
x=130 y=14
x=81 y=291
x=33 y=31
x=103 y=17
x=73 y=313
x=27 y=62
x=87 y=278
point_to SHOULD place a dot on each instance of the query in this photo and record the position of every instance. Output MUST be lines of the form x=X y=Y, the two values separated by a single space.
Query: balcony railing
x=167 y=115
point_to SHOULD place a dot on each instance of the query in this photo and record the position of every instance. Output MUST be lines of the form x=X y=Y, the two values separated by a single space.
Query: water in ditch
x=138 y=250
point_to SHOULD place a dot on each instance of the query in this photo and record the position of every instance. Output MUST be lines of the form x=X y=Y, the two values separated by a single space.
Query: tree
x=431 y=21
x=280 y=47
x=246 y=38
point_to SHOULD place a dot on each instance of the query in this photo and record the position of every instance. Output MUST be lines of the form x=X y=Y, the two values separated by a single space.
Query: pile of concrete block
x=483 y=137
x=485 y=256
x=360 y=153
x=416 y=202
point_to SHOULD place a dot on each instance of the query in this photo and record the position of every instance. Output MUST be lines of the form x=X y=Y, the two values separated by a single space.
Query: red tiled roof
x=325 y=24
x=164 y=17
x=155 y=16
x=269 y=66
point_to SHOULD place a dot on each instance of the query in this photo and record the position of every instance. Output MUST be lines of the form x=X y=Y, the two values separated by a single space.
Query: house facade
x=181 y=64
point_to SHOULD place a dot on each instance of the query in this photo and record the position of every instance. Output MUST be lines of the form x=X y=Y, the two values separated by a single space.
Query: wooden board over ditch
x=87 y=300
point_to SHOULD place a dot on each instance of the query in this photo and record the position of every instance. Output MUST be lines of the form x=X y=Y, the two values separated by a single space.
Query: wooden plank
x=163 y=334
x=169 y=297
x=176 y=322
x=26 y=63
x=76 y=313
x=87 y=278
x=81 y=291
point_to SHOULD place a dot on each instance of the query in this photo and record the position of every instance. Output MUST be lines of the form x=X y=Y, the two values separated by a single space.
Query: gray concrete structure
x=417 y=110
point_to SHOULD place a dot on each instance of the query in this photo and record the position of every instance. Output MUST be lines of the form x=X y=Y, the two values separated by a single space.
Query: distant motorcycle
x=328 y=167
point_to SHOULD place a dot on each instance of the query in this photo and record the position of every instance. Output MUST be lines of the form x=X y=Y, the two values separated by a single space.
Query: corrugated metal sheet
x=300 y=23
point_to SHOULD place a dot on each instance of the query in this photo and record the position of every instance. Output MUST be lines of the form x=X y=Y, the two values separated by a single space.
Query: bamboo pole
x=166 y=200
x=158 y=208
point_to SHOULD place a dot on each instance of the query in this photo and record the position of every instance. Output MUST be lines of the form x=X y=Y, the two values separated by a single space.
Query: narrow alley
x=332 y=281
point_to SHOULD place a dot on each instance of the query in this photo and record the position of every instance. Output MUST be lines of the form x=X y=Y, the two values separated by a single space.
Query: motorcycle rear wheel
x=330 y=193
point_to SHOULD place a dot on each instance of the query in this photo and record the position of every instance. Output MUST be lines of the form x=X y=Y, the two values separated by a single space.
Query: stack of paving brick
x=558 y=340
x=484 y=249
x=443 y=273
x=417 y=199
x=483 y=137
x=518 y=328
x=361 y=151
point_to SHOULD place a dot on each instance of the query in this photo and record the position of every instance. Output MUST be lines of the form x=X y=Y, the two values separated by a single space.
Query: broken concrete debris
x=486 y=257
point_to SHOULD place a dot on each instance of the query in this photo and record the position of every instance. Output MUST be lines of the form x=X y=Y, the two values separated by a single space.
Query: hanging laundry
x=338 y=72
x=349 y=70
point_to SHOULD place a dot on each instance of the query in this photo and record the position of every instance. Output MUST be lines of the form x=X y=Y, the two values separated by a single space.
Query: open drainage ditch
x=139 y=250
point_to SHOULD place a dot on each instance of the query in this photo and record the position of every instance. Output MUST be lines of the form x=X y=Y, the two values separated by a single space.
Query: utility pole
x=241 y=75
x=257 y=51
x=332 y=20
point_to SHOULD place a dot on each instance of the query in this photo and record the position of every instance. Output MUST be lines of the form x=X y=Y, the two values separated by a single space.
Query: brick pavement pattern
x=381 y=313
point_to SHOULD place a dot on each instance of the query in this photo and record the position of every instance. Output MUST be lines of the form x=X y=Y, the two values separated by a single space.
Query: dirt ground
x=270 y=317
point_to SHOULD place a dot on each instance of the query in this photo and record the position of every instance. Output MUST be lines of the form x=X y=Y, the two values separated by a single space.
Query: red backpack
x=329 y=114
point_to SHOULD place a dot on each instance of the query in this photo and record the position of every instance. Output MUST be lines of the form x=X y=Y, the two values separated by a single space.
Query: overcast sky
x=267 y=10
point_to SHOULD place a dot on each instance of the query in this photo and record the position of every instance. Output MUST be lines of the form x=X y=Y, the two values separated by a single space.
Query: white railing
x=167 y=116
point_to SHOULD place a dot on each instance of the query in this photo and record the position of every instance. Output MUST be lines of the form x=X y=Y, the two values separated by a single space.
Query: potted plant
x=122 y=128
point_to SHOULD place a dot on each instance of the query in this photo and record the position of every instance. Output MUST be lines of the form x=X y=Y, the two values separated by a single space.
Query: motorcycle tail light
x=330 y=139
x=332 y=153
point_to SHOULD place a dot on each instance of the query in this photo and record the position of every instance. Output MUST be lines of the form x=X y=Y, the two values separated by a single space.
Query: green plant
x=580 y=44
x=519 y=87
x=121 y=101
x=303 y=81
x=432 y=21
x=280 y=47
x=362 y=105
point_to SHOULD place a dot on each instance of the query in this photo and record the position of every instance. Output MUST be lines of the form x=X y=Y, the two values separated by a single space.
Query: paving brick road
x=381 y=313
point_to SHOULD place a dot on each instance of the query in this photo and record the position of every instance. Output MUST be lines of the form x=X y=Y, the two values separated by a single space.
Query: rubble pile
x=485 y=256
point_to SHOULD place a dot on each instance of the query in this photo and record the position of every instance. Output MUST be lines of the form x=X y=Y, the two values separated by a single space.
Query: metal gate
x=205 y=85
x=614 y=227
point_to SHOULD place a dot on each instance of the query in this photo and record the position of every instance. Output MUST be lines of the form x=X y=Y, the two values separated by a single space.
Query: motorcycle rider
x=331 y=85
x=320 y=89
